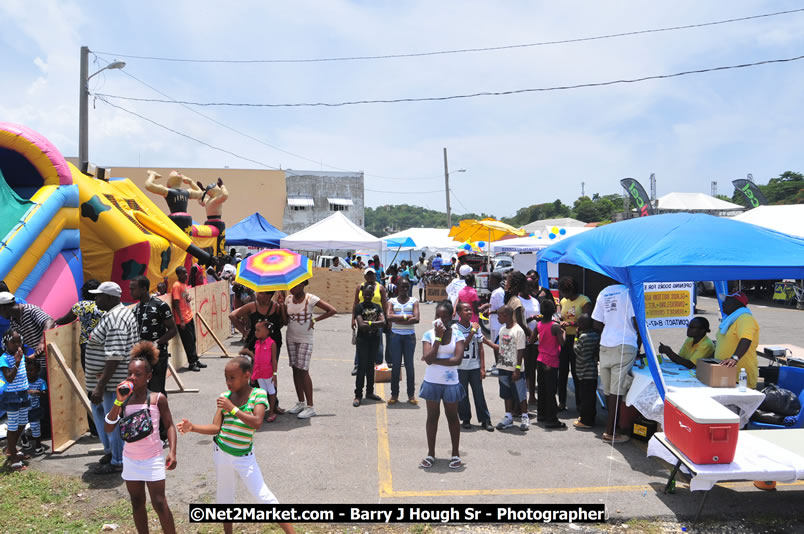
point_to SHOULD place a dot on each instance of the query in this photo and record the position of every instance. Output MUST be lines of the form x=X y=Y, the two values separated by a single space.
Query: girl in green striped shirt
x=240 y=414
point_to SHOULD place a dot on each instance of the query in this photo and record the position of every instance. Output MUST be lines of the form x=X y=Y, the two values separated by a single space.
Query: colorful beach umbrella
x=274 y=270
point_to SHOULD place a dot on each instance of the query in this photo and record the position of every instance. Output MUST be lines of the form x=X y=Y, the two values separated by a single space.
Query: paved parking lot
x=370 y=454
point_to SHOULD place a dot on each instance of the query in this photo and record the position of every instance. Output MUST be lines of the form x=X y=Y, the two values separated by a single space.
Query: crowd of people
x=533 y=347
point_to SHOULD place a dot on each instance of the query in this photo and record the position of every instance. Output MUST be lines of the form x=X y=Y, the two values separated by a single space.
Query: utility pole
x=83 y=104
x=83 y=112
x=583 y=192
x=446 y=187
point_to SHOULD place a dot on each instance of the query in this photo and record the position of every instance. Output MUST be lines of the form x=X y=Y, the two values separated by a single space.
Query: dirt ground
x=370 y=454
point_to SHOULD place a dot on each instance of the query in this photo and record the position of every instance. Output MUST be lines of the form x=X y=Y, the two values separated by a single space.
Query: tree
x=787 y=188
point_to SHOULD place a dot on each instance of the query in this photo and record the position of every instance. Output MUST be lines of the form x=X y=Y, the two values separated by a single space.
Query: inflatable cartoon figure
x=213 y=197
x=176 y=196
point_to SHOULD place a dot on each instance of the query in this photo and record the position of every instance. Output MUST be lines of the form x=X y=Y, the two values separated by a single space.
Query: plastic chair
x=791 y=378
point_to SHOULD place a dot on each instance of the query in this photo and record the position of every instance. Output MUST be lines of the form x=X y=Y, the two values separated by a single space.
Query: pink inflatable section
x=56 y=291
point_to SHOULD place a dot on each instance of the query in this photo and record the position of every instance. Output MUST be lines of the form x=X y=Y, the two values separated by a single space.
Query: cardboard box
x=382 y=375
x=435 y=293
x=711 y=373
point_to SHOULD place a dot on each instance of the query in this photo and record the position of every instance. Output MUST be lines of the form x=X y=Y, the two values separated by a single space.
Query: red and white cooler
x=702 y=428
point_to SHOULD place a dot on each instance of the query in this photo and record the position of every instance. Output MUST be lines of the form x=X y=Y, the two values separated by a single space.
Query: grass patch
x=644 y=526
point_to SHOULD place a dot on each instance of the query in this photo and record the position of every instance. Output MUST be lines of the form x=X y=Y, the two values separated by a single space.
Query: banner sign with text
x=639 y=197
x=751 y=192
x=668 y=304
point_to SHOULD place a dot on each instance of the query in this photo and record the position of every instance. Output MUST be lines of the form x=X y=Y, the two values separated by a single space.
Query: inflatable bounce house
x=60 y=226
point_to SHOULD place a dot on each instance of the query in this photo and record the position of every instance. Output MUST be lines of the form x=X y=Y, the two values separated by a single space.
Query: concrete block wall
x=319 y=186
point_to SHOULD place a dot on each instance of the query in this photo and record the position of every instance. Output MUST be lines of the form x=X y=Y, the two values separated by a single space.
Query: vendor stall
x=644 y=395
x=678 y=247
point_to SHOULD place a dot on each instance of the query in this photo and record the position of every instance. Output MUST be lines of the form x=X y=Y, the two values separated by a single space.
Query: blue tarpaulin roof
x=254 y=231
x=679 y=247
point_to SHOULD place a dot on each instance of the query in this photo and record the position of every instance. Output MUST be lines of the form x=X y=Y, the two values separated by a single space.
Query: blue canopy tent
x=254 y=231
x=678 y=247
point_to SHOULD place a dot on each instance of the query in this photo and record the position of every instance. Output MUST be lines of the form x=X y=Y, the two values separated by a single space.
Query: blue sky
x=517 y=150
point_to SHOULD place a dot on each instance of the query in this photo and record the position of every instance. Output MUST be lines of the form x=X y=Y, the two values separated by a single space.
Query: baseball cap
x=465 y=270
x=108 y=288
x=6 y=298
x=739 y=296
x=369 y=270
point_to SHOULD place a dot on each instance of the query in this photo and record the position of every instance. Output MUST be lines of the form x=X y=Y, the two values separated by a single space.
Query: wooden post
x=175 y=375
x=214 y=337
x=71 y=377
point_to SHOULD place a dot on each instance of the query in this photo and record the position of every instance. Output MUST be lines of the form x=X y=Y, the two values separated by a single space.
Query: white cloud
x=518 y=149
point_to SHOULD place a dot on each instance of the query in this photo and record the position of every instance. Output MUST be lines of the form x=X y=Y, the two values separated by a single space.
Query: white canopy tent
x=431 y=241
x=533 y=243
x=786 y=219
x=426 y=239
x=336 y=232
x=694 y=202
x=563 y=222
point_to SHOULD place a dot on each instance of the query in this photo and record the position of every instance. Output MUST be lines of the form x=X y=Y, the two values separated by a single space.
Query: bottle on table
x=743 y=382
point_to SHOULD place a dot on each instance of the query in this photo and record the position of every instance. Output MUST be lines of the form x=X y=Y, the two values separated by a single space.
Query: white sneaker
x=307 y=413
x=507 y=422
x=524 y=423
x=298 y=407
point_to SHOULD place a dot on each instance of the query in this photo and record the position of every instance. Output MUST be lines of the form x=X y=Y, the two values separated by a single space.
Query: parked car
x=705 y=288
x=503 y=264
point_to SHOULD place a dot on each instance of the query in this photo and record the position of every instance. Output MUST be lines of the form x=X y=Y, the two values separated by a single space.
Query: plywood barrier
x=67 y=411
x=212 y=303
x=177 y=355
x=336 y=287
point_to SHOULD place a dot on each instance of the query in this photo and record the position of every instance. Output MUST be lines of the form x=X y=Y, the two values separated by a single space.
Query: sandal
x=270 y=419
x=455 y=462
x=392 y=400
x=427 y=463
x=279 y=411
x=413 y=401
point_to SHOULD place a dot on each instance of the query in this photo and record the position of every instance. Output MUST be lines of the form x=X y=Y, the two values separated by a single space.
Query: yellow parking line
x=383 y=448
x=386 y=487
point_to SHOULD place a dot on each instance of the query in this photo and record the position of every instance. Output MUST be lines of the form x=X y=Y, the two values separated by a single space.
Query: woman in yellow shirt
x=697 y=346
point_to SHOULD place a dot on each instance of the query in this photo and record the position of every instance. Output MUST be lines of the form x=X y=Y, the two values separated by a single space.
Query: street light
x=83 y=104
x=446 y=187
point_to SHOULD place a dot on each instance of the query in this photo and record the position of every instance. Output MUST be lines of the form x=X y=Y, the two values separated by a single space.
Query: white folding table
x=760 y=455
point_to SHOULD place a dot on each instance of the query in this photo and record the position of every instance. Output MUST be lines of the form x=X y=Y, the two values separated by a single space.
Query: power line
x=251 y=136
x=462 y=50
x=457 y=97
x=405 y=192
x=225 y=151
x=465 y=209
x=191 y=138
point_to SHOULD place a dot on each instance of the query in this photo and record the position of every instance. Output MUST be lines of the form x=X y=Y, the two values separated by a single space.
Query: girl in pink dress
x=143 y=464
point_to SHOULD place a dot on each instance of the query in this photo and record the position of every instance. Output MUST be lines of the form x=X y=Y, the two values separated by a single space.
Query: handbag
x=138 y=425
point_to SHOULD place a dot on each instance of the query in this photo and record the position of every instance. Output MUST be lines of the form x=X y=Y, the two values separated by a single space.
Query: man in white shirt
x=614 y=318
x=496 y=301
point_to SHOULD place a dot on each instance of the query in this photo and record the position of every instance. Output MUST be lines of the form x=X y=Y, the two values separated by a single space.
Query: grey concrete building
x=315 y=195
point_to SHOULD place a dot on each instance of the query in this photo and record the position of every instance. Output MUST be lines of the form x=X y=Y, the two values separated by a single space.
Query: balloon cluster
x=476 y=246
x=555 y=232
